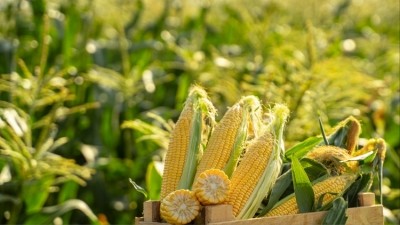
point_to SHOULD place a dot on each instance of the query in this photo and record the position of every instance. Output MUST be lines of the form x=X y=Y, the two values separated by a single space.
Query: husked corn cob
x=179 y=207
x=227 y=140
x=211 y=187
x=259 y=168
x=333 y=158
x=184 y=147
x=325 y=192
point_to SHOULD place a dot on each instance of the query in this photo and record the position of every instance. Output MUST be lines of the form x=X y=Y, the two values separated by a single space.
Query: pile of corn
x=238 y=160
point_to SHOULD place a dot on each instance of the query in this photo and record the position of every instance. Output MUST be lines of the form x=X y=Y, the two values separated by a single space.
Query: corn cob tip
x=335 y=159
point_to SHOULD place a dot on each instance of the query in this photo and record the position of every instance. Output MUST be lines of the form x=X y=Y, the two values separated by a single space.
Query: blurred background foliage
x=89 y=89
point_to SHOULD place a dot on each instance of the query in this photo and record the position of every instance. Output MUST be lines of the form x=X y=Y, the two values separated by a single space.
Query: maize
x=325 y=192
x=378 y=145
x=227 y=140
x=346 y=134
x=179 y=207
x=211 y=187
x=185 y=142
x=335 y=159
x=259 y=168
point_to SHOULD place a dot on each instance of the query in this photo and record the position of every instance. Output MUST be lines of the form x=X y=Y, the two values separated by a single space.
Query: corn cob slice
x=335 y=159
x=227 y=140
x=211 y=187
x=179 y=207
x=258 y=170
x=184 y=148
x=325 y=192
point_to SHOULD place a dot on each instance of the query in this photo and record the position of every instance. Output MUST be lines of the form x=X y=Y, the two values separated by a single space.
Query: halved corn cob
x=211 y=187
x=179 y=207
x=184 y=149
x=335 y=159
x=325 y=192
x=258 y=170
x=228 y=138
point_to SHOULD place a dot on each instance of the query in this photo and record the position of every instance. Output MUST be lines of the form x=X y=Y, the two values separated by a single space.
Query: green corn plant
x=31 y=106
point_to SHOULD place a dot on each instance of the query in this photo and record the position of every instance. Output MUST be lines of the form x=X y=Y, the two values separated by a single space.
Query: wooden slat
x=151 y=211
x=370 y=215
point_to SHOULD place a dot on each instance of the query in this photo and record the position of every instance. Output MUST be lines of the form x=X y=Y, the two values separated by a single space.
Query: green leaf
x=138 y=188
x=279 y=188
x=153 y=181
x=300 y=149
x=35 y=193
x=47 y=214
x=358 y=186
x=302 y=187
x=313 y=168
x=366 y=157
x=337 y=214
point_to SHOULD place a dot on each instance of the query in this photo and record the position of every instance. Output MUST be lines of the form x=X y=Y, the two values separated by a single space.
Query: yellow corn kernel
x=325 y=192
x=335 y=159
x=227 y=140
x=179 y=207
x=211 y=187
x=184 y=148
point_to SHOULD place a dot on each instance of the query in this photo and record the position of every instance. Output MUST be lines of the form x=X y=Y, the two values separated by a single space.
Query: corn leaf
x=358 y=186
x=153 y=181
x=138 y=188
x=47 y=214
x=300 y=149
x=337 y=214
x=282 y=184
x=302 y=187
x=35 y=193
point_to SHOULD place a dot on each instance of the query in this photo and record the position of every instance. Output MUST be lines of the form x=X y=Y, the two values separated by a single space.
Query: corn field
x=91 y=91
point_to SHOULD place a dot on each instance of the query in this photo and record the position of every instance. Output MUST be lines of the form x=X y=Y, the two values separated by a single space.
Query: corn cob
x=179 y=207
x=325 y=192
x=346 y=134
x=258 y=170
x=227 y=140
x=211 y=187
x=185 y=142
x=377 y=144
x=335 y=159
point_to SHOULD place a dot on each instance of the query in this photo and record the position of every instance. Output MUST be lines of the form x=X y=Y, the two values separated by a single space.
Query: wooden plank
x=366 y=199
x=218 y=213
x=151 y=211
x=370 y=215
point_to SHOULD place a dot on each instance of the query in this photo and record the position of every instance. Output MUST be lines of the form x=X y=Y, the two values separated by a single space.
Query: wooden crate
x=367 y=214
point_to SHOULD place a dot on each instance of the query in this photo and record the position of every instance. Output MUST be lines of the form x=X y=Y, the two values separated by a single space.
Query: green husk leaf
x=358 y=186
x=337 y=214
x=282 y=184
x=251 y=112
x=203 y=109
x=189 y=170
x=302 y=187
x=301 y=149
